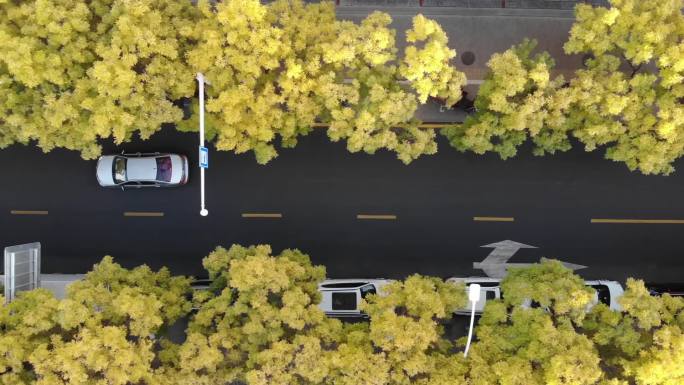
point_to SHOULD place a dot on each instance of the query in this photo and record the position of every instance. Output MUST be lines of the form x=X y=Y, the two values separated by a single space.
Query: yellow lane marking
x=28 y=212
x=381 y=217
x=262 y=215
x=494 y=219
x=143 y=214
x=641 y=221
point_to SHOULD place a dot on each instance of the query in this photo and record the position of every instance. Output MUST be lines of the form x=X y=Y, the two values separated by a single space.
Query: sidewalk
x=480 y=33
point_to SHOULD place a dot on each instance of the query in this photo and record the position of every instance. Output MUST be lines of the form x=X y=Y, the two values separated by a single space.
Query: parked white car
x=489 y=290
x=607 y=292
x=342 y=297
x=142 y=170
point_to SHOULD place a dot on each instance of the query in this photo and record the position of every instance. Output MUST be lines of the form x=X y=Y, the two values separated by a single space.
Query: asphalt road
x=319 y=189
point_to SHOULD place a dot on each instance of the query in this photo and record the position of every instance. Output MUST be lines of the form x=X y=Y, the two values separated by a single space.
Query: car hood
x=104 y=170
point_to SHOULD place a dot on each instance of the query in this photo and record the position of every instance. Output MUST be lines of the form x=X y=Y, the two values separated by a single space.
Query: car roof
x=141 y=169
x=474 y=279
x=358 y=282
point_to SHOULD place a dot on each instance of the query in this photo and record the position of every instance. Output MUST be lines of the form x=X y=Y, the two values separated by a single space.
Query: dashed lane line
x=385 y=217
x=262 y=215
x=143 y=214
x=494 y=219
x=640 y=221
x=29 y=212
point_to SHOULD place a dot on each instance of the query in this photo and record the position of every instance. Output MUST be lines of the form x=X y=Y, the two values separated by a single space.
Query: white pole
x=473 y=296
x=200 y=79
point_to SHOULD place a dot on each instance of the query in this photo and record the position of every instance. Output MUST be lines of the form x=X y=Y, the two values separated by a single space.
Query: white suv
x=489 y=290
x=342 y=297
x=607 y=292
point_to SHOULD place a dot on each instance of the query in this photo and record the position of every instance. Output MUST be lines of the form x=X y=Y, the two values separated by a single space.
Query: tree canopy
x=260 y=323
x=102 y=332
x=518 y=100
x=628 y=98
x=75 y=72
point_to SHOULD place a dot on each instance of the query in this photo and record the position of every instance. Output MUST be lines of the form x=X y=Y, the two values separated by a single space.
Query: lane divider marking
x=262 y=215
x=29 y=212
x=143 y=214
x=494 y=219
x=640 y=221
x=378 y=217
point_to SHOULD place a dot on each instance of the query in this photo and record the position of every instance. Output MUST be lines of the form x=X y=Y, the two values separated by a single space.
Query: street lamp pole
x=202 y=150
x=473 y=296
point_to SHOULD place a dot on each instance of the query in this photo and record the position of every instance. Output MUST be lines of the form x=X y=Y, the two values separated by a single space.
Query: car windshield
x=603 y=293
x=119 y=169
x=366 y=290
x=164 y=168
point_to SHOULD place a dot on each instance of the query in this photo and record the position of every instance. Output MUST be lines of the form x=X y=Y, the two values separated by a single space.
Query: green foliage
x=102 y=332
x=76 y=72
x=643 y=344
x=262 y=311
x=428 y=69
x=516 y=101
x=628 y=99
x=372 y=111
x=636 y=113
x=260 y=324
x=286 y=64
x=522 y=345
x=406 y=329
x=140 y=298
x=551 y=285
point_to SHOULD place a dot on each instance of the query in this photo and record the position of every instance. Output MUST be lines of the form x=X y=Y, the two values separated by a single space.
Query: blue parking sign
x=203 y=157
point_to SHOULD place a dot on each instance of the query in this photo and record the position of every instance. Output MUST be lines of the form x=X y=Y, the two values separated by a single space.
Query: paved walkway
x=482 y=32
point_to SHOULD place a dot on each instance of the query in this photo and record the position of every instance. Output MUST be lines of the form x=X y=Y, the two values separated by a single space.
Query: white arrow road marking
x=495 y=265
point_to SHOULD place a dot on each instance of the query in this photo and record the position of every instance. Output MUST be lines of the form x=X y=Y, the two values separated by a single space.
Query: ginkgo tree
x=287 y=66
x=521 y=344
x=643 y=344
x=75 y=72
x=406 y=332
x=259 y=322
x=107 y=329
x=629 y=98
x=517 y=101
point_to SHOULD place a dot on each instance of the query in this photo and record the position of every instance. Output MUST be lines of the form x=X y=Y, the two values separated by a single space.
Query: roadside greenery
x=75 y=72
x=259 y=323
x=629 y=99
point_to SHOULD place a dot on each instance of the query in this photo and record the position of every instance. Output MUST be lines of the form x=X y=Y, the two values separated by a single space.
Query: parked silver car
x=140 y=170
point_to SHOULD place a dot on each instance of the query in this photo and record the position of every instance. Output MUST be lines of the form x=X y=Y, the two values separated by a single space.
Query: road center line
x=29 y=212
x=262 y=215
x=377 y=217
x=143 y=214
x=640 y=221
x=494 y=219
